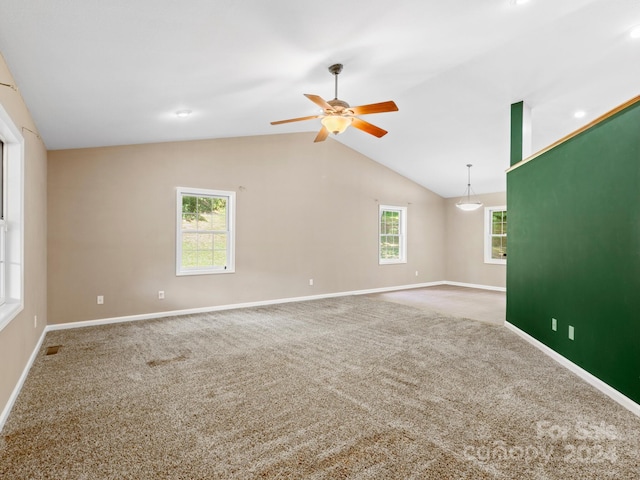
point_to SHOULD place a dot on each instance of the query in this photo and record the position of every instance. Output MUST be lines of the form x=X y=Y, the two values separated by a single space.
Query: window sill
x=8 y=312
x=187 y=273
x=495 y=262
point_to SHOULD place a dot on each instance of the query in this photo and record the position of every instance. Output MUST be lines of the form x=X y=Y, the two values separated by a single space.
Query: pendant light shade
x=467 y=202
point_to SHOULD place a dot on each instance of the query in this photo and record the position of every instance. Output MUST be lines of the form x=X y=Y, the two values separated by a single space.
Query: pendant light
x=466 y=203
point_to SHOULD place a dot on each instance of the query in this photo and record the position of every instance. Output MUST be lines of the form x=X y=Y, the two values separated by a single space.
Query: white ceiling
x=96 y=72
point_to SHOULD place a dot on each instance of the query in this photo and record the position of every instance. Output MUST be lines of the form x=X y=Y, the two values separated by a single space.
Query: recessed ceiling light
x=635 y=32
x=518 y=2
x=183 y=113
x=579 y=114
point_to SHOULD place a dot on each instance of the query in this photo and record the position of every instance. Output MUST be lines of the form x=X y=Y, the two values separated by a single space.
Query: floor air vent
x=53 y=350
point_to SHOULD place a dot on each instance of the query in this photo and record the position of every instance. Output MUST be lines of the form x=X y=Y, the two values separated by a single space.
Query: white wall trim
x=191 y=311
x=16 y=390
x=586 y=376
x=473 y=285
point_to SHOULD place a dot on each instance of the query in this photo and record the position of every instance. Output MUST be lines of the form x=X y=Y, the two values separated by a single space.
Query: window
x=495 y=250
x=205 y=232
x=392 y=245
x=2 y=224
x=11 y=219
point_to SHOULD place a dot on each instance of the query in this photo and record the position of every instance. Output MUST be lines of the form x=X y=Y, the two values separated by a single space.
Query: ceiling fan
x=338 y=115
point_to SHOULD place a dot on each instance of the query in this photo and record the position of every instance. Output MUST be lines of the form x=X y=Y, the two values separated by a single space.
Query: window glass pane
x=499 y=247
x=189 y=213
x=390 y=247
x=189 y=241
x=219 y=216
x=205 y=241
x=189 y=204
x=189 y=221
x=220 y=241
x=205 y=205
x=220 y=258
x=205 y=258
x=384 y=249
x=189 y=258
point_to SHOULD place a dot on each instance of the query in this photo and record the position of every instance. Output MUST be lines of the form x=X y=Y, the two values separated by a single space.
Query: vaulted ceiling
x=96 y=73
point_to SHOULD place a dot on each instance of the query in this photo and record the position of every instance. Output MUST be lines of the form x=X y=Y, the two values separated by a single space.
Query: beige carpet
x=352 y=387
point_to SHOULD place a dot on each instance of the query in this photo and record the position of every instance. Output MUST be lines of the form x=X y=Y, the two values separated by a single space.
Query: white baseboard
x=233 y=306
x=473 y=285
x=16 y=390
x=582 y=373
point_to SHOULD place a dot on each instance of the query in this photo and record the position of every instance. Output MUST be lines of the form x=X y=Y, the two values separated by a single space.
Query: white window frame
x=402 y=234
x=231 y=211
x=488 y=236
x=3 y=225
x=12 y=226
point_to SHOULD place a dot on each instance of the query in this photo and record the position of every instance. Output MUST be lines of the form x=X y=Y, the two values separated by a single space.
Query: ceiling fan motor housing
x=338 y=105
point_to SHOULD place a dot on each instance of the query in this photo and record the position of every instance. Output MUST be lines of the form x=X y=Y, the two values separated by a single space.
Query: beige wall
x=464 y=246
x=19 y=338
x=304 y=211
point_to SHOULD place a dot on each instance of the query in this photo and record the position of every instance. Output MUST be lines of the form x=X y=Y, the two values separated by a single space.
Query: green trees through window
x=205 y=235
x=392 y=234
x=495 y=250
x=499 y=234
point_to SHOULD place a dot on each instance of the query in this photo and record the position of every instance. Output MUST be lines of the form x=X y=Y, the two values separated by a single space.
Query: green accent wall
x=517 y=119
x=574 y=249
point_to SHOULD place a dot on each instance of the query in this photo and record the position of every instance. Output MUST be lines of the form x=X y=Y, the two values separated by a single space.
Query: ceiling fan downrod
x=335 y=70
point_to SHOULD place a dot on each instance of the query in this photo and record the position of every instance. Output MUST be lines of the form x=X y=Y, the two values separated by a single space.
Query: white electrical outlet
x=311 y=282
x=100 y=299
x=160 y=294
x=554 y=324
x=35 y=321
x=571 y=332
x=416 y=273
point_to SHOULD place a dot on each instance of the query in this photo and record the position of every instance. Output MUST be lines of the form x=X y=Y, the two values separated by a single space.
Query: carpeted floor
x=352 y=387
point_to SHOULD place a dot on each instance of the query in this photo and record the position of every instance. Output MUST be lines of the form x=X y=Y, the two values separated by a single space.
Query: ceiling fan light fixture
x=337 y=115
x=336 y=124
x=467 y=203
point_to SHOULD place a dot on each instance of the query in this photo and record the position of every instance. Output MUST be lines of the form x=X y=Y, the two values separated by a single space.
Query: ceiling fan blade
x=321 y=102
x=368 y=127
x=381 y=107
x=299 y=119
x=322 y=135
